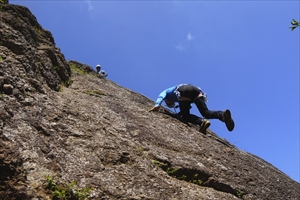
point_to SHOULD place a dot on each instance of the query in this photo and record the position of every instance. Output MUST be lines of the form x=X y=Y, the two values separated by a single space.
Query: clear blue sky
x=241 y=53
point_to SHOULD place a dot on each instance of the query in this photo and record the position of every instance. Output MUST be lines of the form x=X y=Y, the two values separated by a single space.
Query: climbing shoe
x=204 y=125
x=228 y=120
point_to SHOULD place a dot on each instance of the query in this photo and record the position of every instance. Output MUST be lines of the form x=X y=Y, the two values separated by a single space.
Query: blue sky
x=241 y=53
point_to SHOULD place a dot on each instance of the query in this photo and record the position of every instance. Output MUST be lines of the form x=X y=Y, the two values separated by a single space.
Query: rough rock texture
x=61 y=119
x=4 y=1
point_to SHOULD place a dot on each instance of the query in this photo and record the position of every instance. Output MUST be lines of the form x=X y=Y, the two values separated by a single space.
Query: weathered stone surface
x=101 y=135
x=4 y=1
x=28 y=51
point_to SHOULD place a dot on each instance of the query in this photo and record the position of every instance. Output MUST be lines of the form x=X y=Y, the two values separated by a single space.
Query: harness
x=183 y=98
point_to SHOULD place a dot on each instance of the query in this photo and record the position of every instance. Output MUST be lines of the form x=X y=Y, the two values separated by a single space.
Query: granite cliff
x=61 y=122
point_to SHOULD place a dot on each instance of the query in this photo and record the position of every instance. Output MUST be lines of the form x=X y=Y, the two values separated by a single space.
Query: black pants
x=192 y=93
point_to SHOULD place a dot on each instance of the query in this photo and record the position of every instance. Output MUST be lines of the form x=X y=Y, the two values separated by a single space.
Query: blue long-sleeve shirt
x=168 y=94
x=172 y=94
x=102 y=72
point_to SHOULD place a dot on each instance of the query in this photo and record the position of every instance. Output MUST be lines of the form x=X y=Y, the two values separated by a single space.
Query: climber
x=185 y=94
x=102 y=72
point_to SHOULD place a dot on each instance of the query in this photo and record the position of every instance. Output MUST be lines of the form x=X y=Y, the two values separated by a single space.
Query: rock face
x=4 y=1
x=63 y=121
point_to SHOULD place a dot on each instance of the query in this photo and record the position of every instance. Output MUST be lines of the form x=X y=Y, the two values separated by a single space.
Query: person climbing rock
x=185 y=95
x=102 y=72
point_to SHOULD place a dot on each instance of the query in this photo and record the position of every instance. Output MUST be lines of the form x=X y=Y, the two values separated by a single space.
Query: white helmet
x=98 y=66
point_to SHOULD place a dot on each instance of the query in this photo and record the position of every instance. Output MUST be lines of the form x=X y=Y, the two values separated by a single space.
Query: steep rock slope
x=62 y=120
